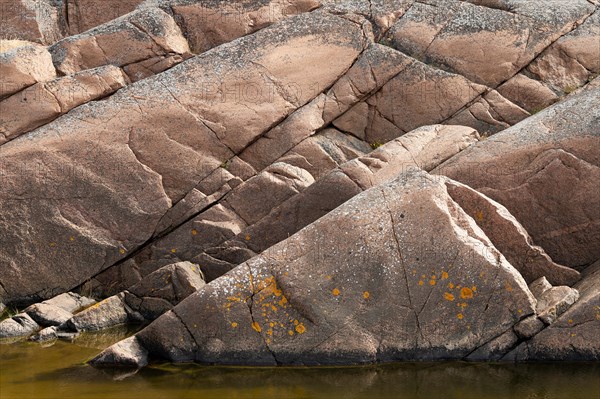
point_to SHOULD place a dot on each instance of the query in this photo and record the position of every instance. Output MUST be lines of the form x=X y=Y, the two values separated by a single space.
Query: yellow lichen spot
x=71 y=238
x=463 y=305
x=270 y=332
x=519 y=311
x=366 y=295
x=194 y=232
x=420 y=282
x=121 y=251
x=234 y=324
x=335 y=292
x=300 y=328
x=173 y=250
x=274 y=308
x=290 y=332
x=468 y=327
x=508 y=287
x=256 y=326
x=450 y=285
x=271 y=324
x=296 y=322
x=433 y=276
x=327 y=277
x=444 y=275
x=479 y=215
x=572 y=334
x=466 y=293
x=283 y=301
x=52 y=244
x=570 y=321
x=460 y=316
x=474 y=288
x=448 y=296
x=423 y=276
x=431 y=282
x=247 y=237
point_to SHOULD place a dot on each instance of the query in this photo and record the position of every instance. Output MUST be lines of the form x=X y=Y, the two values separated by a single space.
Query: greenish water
x=28 y=370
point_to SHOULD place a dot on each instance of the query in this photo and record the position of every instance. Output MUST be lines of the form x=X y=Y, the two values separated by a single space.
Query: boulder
x=128 y=353
x=24 y=66
x=109 y=181
x=20 y=325
x=543 y=171
x=48 y=315
x=45 y=335
x=107 y=313
x=70 y=301
x=436 y=288
x=529 y=327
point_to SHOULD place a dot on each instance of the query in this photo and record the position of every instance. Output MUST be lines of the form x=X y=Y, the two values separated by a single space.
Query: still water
x=29 y=370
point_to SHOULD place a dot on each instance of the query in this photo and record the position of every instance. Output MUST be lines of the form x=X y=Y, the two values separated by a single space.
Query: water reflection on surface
x=31 y=371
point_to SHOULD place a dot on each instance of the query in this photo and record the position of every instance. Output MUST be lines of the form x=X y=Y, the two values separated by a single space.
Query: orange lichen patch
x=234 y=324
x=474 y=288
x=431 y=282
x=508 y=287
x=466 y=293
x=420 y=282
x=366 y=295
x=296 y=322
x=256 y=327
x=423 y=276
x=194 y=232
x=444 y=275
x=433 y=276
x=479 y=215
x=173 y=250
x=328 y=277
x=290 y=332
x=247 y=237
x=463 y=305
x=300 y=329
x=450 y=285
x=460 y=316
x=271 y=324
x=335 y=292
x=274 y=308
x=283 y=301
x=270 y=332
x=448 y=296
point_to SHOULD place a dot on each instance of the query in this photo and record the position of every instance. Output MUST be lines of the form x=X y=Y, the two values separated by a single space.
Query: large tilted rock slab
x=400 y=272
x=487 y=45
x=544 y=171
x=87 y=14
x=112 y=169
x=282 y=199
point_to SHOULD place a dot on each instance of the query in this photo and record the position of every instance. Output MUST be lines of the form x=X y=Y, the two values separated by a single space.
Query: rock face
x=111 y=205
x=543 y=171
x=150 y=147
x=317 y=300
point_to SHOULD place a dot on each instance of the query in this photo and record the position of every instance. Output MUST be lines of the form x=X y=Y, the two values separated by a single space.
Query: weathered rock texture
x=153 y=132
x=436 y=288
x=544 y=171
